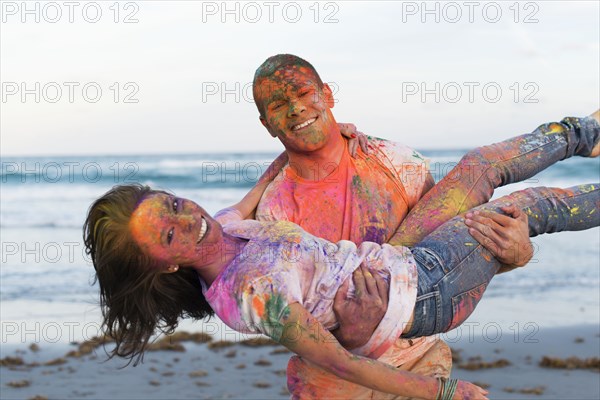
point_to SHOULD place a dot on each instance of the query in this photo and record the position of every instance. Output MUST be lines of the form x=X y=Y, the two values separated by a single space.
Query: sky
x=154 y=77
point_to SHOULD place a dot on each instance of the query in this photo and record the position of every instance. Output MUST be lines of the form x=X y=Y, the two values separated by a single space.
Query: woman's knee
x=471 y=165
x=475 y=157
x=480 y=166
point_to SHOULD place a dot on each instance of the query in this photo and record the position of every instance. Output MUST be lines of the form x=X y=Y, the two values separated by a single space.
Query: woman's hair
x=137 y=297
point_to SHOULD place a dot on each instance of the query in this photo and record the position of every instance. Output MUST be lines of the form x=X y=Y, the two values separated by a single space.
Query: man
x=335 y=196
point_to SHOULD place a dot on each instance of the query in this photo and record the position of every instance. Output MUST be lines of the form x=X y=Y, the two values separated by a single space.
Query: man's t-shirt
x=363 y=199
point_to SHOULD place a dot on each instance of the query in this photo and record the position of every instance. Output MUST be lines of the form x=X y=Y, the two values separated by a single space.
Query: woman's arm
x=248 y=204
x=305 y=336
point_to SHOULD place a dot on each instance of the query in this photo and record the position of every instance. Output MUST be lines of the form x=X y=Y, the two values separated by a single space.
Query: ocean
x=46 y=280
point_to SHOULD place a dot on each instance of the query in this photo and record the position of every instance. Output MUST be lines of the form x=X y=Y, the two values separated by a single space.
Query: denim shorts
x=454 y=269
x=448 y=292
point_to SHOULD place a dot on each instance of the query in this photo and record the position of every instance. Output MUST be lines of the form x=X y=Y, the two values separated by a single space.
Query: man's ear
x=328 y=95
x=266 y=125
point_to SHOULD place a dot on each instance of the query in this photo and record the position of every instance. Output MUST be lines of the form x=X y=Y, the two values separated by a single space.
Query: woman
x=276 y=279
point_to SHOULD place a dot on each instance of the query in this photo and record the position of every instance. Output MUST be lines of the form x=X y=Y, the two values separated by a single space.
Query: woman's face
x=175 y=230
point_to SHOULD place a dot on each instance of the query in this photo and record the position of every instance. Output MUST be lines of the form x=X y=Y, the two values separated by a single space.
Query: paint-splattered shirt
x=364 y=198
x=282 y=264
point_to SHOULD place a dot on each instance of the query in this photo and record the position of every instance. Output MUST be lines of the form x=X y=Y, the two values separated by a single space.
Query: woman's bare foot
x=596 y=150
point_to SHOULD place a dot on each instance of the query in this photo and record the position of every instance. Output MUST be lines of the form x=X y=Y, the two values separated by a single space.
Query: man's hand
x=355 y=138
x=358 y=316
x=505 y=236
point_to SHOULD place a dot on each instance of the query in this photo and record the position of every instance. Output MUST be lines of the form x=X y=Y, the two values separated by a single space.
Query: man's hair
x=136 y=296
x=275 y=63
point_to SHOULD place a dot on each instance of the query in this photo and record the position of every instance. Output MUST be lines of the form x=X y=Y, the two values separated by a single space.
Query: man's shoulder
x=394 y=152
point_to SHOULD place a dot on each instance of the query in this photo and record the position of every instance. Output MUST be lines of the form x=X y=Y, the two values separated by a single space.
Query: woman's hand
x=355 y=138
x=468 y=391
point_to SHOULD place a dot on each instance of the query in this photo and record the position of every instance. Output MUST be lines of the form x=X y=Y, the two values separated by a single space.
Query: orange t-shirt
x=363 y=199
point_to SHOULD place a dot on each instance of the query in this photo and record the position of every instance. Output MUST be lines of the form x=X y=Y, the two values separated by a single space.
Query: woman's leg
x=473 y=180
x=454 y=270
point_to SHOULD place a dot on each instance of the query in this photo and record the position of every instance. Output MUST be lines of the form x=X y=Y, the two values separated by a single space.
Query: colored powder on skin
x=152 y=215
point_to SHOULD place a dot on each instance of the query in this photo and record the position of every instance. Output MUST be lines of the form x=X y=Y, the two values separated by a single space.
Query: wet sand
x=196 y=366
x=535 y=363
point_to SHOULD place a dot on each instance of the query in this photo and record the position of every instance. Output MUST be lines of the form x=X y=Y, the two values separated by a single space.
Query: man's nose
x=296 y=108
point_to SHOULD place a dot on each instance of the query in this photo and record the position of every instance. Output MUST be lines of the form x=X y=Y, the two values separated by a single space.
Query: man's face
x=296 y=110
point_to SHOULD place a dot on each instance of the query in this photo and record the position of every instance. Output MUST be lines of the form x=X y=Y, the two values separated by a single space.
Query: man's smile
x=304 y=124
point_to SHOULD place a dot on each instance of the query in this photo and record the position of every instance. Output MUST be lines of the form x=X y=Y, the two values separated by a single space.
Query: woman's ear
x=172 y=268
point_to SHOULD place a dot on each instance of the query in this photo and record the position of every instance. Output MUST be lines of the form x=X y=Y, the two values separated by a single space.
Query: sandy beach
x=187 y=366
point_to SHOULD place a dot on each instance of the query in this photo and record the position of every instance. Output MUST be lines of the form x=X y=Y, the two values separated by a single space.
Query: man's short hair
x=275 y=63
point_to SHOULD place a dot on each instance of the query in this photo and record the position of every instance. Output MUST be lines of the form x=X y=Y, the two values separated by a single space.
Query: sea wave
x=59 y=193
